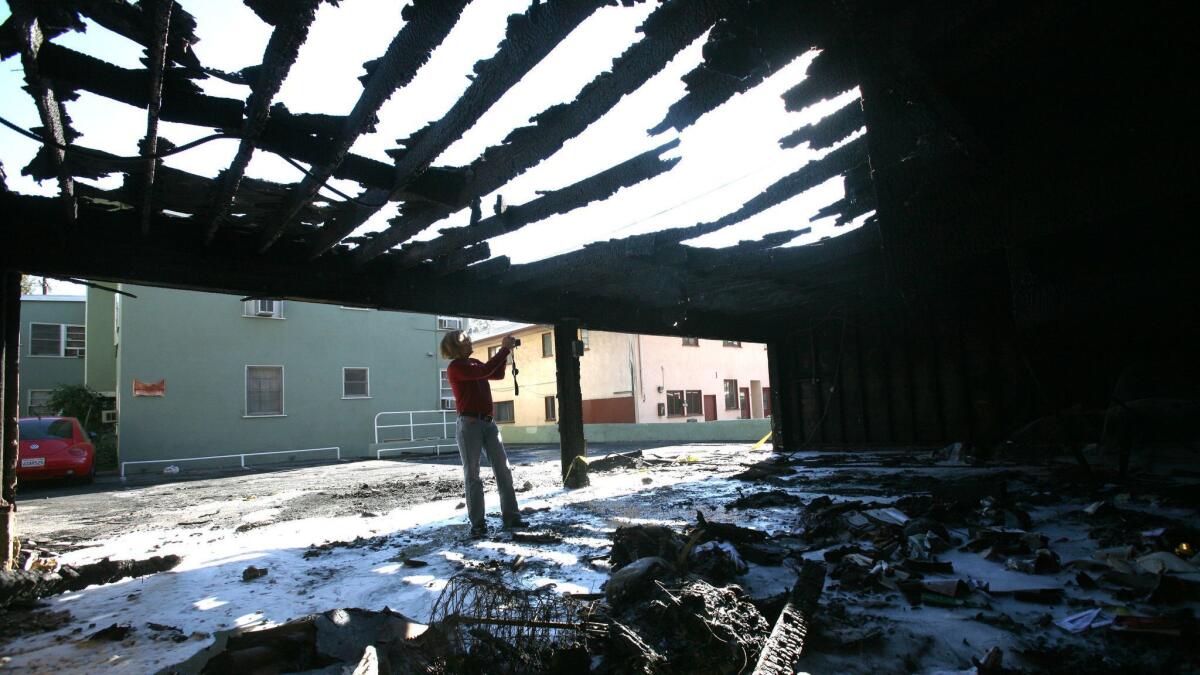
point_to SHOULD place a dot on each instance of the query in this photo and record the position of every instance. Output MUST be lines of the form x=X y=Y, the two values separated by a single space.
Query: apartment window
x=263 y=309
x=551 y=410
x=691 y=342
x=45 y=339
x=731 y=343
x=446 y=392
x=38 y=402
x=731 y=395
x=585 y=339
x=356 y=383
x=264 y=390
x=75 y=343
x=547 y=344
x=492 y=351
x=502 y=412
x=692 y=403
x=449 y=323
x=674 y=404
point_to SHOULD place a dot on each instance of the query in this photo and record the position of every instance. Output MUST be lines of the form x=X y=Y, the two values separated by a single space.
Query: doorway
x=744 y=402
x=710 y=407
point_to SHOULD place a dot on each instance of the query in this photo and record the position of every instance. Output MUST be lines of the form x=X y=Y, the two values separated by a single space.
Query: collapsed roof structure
x=1019 y=169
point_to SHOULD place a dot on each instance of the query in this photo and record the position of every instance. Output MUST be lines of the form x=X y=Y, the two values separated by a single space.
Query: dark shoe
x=478 y=532
x=515 y=524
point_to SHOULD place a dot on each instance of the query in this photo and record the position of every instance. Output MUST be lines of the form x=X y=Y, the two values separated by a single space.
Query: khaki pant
x=474 y=435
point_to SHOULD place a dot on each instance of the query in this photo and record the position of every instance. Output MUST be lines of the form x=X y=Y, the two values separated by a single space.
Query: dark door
x=710 y=407
x=744 y=402
x=766 y=401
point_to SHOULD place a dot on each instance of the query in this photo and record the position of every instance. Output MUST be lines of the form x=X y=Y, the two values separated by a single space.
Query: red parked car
x=55 y=447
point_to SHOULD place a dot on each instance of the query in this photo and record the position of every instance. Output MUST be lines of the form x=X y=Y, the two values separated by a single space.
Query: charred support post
x=570 y=398
x=8 y=467
x=782 y=376
x=786 y=642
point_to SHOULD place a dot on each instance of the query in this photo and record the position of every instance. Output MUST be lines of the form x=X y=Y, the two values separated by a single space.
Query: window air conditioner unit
x=662 y=409
x=108 y=417
x=449 y=323
x=264 y=308
x=447 y=403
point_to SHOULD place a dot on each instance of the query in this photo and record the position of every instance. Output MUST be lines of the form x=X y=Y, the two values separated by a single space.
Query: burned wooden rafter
x=530 y=37
x=600 y=186
x=281 y=51
x=831 y=73
x=136 y=22
x=427 y=23
x=742 y=50
x=786 y=641
x=828 y=130
x=50 y=110
x=284 y=134
x=672 y=27
x=157 y=53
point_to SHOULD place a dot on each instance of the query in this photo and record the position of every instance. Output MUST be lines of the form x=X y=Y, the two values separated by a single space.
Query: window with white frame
x=586 y=338
x=56 y=339
x=264 y=390
x=38 y=402
x=356 y=383
x=447 y=393
x=263 y=309
x=449 y=323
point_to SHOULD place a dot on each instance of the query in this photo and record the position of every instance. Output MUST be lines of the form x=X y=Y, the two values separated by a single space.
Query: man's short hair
x=452 y=345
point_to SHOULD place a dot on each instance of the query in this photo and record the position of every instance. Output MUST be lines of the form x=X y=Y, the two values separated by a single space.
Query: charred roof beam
x=530 y=37
x=50 y=110
x=278 y=57
x=671 y=28
x=157 y=53
x=427 y=23
x=600 y=186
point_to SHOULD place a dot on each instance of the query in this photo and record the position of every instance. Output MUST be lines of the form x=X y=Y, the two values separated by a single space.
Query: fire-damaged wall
x=901 y=376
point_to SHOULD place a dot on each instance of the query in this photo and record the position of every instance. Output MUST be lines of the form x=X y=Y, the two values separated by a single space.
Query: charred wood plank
x=427 y=23
x=530 y=37
x=10 y=340
x=137 y=23
x=827 y=131
x=832 y=72
x=600 y=186
x=278 y=57
x=26 y=586
x=672 y=27
x=50 y=110
x=157 y=63
x=786 y=642
x=284 y=134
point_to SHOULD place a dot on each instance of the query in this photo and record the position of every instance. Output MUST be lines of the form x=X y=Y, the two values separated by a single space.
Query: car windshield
x=41 y=430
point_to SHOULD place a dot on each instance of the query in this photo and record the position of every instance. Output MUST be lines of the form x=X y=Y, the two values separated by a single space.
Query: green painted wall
x=47 y=372
x=734 y=431
x=100 y=364
x=200 y=343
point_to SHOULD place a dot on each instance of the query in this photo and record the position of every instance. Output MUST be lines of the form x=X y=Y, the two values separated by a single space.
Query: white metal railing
x=411 y=426
x=437 y=449
x=241 y=456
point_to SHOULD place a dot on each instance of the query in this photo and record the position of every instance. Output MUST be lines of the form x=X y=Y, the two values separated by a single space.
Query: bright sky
x=728 y=156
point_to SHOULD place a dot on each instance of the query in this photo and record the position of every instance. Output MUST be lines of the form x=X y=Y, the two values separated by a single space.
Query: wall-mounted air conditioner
x=108 y=416
x=447 y=403
x=264 y=308
x=449 y=323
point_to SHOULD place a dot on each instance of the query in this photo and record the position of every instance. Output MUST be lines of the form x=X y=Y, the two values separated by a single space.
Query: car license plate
x=34 y=461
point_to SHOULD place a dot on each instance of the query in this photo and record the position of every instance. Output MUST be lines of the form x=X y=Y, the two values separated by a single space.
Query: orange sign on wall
x=149 y=388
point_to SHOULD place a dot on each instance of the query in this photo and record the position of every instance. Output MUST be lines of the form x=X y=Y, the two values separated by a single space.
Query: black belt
x=478 y=416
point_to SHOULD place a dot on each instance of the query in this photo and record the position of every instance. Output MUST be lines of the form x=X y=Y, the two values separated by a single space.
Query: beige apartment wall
x=656 y=360
x=666 y=362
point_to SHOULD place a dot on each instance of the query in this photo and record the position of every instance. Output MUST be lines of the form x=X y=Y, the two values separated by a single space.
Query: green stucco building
x=53 y=348
x=203 y=375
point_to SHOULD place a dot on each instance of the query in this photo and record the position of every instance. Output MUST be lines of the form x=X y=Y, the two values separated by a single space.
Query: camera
x=516 y=342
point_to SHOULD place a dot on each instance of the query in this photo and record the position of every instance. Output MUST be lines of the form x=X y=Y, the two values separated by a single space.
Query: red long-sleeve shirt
x=468 y=378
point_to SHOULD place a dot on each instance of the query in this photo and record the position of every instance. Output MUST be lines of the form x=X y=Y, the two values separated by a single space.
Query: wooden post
x=8 y=466
x=784 y=420
x=570 y=398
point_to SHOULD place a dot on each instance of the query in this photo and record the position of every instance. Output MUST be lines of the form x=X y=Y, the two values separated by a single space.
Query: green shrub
x=80 y=402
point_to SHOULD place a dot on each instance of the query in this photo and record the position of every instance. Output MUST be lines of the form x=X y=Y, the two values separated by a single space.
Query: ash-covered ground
x=1032 y=543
